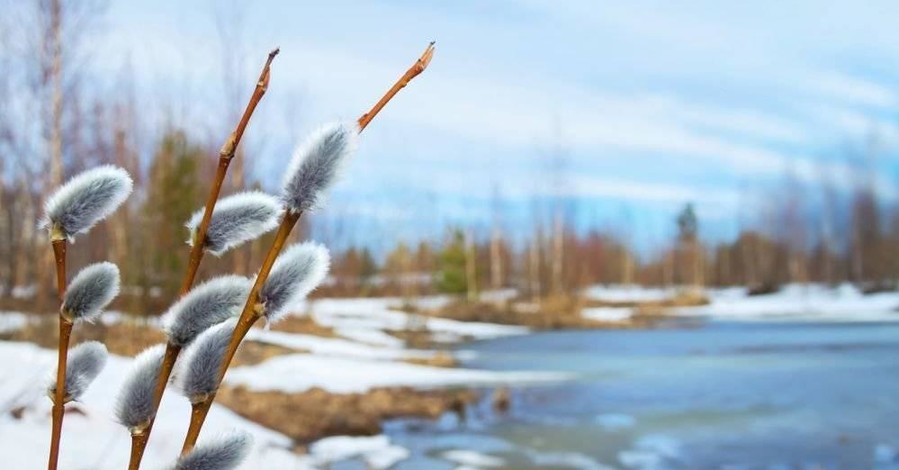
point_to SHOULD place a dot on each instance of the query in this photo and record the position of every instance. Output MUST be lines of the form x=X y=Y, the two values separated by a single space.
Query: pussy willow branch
x=226 y=154
x=418 y=67
x=252 y=310
x=248 y=317
x=65 y=333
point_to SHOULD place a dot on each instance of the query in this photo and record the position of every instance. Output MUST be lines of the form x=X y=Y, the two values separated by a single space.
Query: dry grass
x=125 y=338
x=302 y=325
x=253 y=352
x=440 y=359
x=563 y=312
x=316 y=413
x=553 y=313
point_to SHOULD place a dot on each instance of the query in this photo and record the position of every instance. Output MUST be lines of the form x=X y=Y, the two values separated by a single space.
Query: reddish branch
x=226 y=154
x=65 y=333
x=252 y=309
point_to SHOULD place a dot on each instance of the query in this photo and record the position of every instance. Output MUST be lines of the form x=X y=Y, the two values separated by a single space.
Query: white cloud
x=855 y=90
x=708 y=94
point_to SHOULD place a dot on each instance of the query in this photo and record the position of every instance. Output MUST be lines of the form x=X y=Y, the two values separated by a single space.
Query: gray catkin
x=205 y=305
x=86 y=199
x=299 y=270
x=237 y=219
x=91 y=290
x=85 y=362
x=225 y=453
x=198 y=376
x=134 y=407
x=316 y=164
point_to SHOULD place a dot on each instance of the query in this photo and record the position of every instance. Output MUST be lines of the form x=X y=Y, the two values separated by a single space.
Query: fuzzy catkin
x=316 y=164
x=92 y=289
x=299 y=270
x=225 y=453
x=84 y=364
x=202 y=361
x=86 y=199
x=134 y=407
x=205 y=305
x=235 y=220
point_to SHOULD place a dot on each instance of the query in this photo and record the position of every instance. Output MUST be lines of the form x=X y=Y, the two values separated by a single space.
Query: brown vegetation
x=302 y=325
x=560 y=312
x=127 y=338
x=316 y=413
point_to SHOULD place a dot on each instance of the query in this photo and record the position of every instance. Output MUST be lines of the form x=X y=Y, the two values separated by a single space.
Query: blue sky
x=651 y=103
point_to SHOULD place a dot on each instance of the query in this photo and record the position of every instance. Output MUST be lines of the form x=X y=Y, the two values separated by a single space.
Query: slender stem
x=198 y=414
x=226 y=154
x=418 y=67
x=250 y=315
x=138 y=444
x=65 y=333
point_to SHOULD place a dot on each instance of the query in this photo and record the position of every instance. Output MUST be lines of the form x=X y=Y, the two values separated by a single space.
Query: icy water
x=721 y=396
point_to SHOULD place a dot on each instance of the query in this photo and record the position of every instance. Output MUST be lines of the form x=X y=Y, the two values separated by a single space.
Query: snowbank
x=799 y=302
x=608 y=314
x=629 y=293
x=333 y=346
x=379 y=314
x=793 y=302
x=11 y=321
x=92 y=438
x=300 y=372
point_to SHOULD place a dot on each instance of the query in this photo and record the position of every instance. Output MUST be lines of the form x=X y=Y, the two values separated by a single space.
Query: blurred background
x=701 y=200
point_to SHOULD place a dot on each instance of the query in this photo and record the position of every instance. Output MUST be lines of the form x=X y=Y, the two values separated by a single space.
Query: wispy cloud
x=644 y=95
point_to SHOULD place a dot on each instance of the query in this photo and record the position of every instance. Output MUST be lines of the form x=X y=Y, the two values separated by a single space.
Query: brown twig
x=418 y=67
x=226 y=154
x=252 y=311
x=65 y=333
x=248 y=317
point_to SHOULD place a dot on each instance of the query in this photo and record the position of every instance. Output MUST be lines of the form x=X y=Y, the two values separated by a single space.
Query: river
x=719 y=396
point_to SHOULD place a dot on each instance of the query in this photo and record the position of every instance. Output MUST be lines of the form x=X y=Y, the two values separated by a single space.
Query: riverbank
x=339 y=369
x=351 y=367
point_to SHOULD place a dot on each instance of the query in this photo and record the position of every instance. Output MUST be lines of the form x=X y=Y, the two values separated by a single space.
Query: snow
x=793 y=302
x=373 y=337
x=607 y=314
x=12 y=321
x=92 y=438
x=380 y=314
x=333 y=346
x=300 y=372
x=376 y=451
x=799 y=302
x=472 y=459
x=629 y=293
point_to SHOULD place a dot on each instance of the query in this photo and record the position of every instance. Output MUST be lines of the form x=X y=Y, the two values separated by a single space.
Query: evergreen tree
x=451 y=265
x=174 y=191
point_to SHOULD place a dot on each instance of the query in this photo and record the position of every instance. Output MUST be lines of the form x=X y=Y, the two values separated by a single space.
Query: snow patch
x=376 y=451
x=607 y=314
x=798 y=302
x=299 y=372
x=472 y=459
